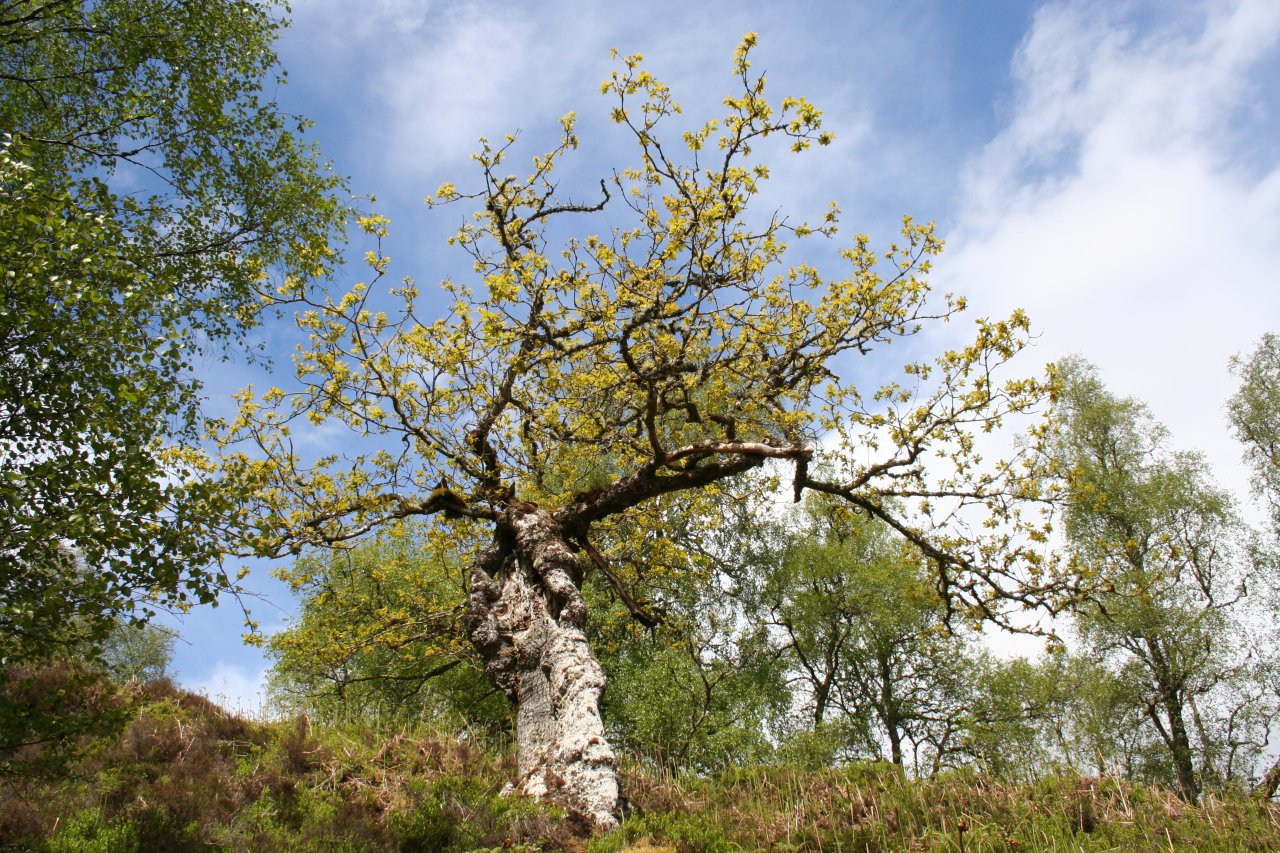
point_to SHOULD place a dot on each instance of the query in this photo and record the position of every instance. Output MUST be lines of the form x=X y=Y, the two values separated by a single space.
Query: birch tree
x=1254 y=414
x=151 y=192
x=862 y=629
x=1162 y=542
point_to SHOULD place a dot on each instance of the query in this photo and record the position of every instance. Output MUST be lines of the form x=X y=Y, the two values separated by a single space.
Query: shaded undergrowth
x=183 y=774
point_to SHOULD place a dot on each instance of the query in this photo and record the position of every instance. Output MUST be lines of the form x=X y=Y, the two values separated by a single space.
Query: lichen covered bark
x=527 y=617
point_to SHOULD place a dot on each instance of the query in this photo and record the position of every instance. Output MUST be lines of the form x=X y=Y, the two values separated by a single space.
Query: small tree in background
x=138 y=652
x=863 y=629
x=1254 y=413
x=378 y=639
x=1164 y=544
x=1060 y=714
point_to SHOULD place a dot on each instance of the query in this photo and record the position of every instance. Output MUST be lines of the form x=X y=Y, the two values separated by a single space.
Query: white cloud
x=239 y=689
x=331 y=26
x=442 y=98
x=1123 y=207
x=474 y=70
x=421 y=83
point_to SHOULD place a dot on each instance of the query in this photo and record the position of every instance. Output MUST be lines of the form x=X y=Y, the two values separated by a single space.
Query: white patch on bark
x=562 y=750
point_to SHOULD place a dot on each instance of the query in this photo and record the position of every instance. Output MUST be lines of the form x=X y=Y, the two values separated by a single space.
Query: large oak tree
x=572 y=389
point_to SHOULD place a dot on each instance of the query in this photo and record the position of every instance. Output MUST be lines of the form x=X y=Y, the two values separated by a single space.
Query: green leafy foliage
x=694 y=682
x=1162 y=545
x=137 y=652
x=687 y=698
x=153 y=201
x=865 y=631
x=1061 y=715
x=378 y=637
x=1254 y=412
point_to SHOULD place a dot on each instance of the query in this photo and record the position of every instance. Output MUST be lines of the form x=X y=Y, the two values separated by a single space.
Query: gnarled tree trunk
x=527 y=618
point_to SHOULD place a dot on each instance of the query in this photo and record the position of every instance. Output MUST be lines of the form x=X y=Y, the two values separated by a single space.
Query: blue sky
x=1112 y=168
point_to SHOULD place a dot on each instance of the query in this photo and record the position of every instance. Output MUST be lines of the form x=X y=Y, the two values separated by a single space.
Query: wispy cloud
x=335 y=26
x=240 y=689
x=445 y=76
x=1127 y=208
x=431 y=78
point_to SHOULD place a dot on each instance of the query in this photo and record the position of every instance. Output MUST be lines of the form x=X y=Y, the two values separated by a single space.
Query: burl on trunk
x=527 y=618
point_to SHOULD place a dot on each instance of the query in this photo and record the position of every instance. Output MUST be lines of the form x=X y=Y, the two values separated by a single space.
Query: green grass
x=183 y=774
x=873 y=807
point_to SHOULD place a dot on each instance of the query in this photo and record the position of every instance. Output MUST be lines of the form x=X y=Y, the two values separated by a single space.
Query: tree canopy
x=1254 y=412
x=565 y=389
x=154 y=199
x=1164 y=547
